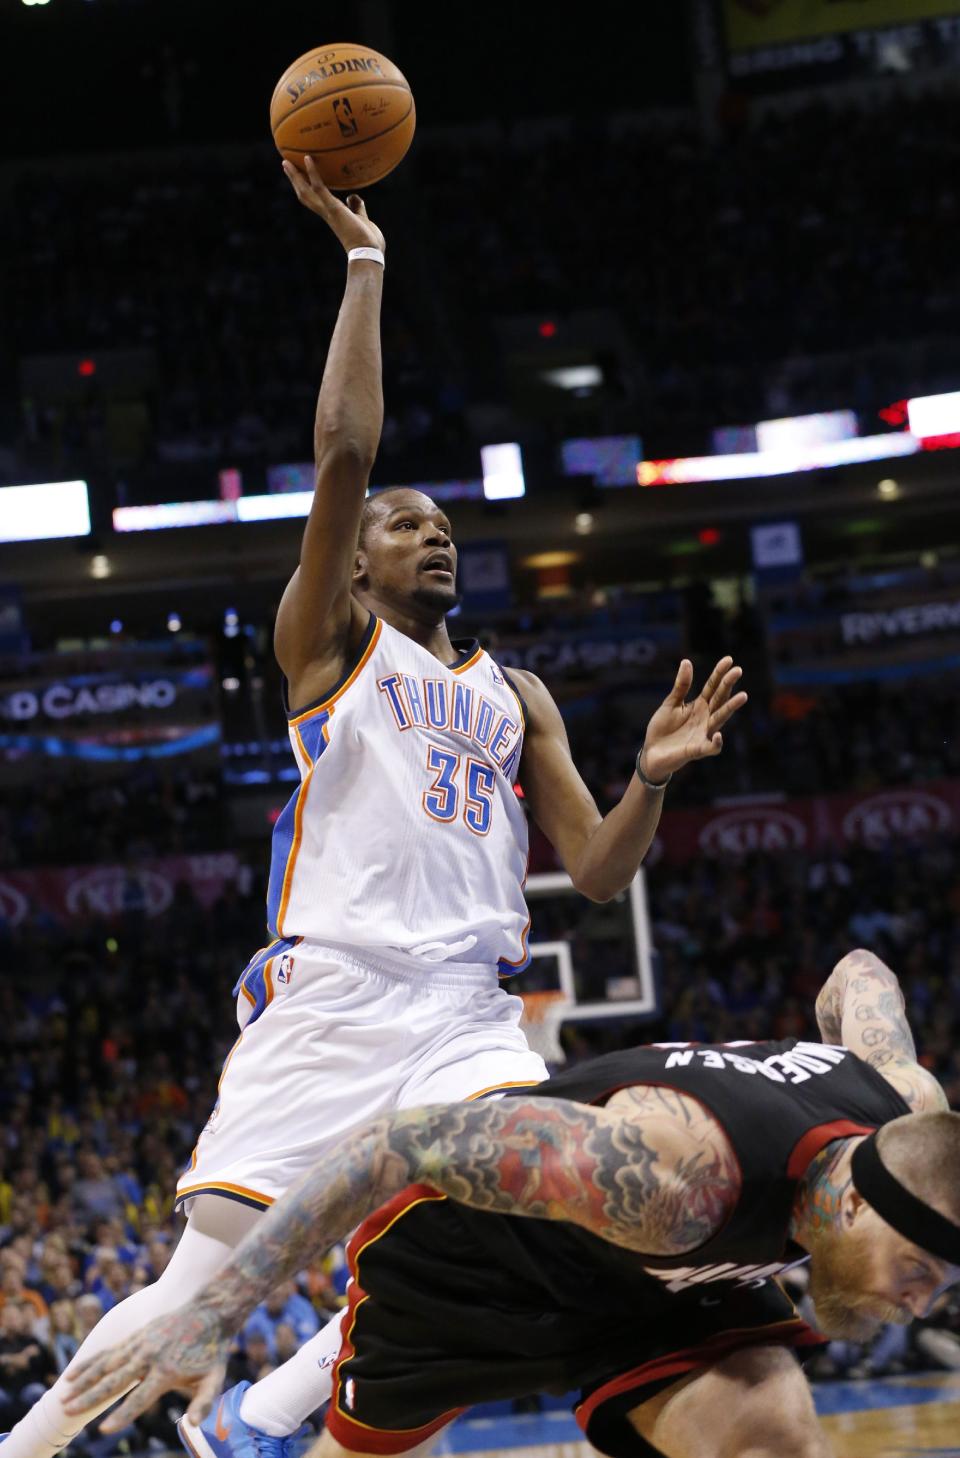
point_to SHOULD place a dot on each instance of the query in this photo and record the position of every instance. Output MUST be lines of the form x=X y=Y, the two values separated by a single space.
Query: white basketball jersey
x=405 y=831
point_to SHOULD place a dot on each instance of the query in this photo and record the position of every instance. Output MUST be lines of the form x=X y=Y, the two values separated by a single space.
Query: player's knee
x=753 y=1404
x=326 y=1446
x=784 y=1445
x=788 y=1431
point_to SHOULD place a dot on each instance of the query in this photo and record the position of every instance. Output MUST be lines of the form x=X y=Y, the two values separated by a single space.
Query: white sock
x=285 y=1397
x=216 y=1225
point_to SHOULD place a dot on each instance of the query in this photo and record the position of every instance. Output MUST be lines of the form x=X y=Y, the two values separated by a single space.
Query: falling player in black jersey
x=664 y=1189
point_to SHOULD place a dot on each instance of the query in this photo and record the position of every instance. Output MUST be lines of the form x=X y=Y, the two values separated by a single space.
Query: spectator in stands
x=284 y=1306
x=95 y=1195
x=15 y=1292
x=27 y=1366
x=63 y=1333
x=251 y=1360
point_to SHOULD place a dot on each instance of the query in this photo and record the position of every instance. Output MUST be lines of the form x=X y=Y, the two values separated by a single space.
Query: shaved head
x=922 y=1151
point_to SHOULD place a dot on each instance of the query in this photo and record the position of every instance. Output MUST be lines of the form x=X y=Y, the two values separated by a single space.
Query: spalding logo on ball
x=349 y=108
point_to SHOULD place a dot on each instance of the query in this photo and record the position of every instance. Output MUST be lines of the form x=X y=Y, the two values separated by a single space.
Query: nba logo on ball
x=285 y=970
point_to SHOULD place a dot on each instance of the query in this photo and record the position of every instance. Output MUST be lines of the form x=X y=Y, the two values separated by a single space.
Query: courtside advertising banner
x=827 y=826
x=752 y=23
x=110 y=718
x=791 y=39
x=117 y=895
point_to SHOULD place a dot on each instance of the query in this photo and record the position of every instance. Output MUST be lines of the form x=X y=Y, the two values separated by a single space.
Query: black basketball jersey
x=779 y=1104
x=493 y=1305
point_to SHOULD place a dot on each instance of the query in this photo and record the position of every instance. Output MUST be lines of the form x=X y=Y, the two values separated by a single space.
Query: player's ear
x=360 y=569
x=852 y=1206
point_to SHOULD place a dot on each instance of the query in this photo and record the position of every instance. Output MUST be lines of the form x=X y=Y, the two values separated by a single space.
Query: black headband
x=909 y=1216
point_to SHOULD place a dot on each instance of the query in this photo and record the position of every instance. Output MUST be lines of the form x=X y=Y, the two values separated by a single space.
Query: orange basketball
x=349 y=108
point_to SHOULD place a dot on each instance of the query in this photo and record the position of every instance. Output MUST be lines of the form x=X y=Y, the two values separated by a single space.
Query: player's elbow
x=596 y=888
x=343 y=446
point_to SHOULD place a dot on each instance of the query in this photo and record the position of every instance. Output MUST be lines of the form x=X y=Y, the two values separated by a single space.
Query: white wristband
x=375 y=255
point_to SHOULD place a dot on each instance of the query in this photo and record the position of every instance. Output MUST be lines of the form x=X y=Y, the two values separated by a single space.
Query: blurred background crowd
x=855 y=208
x=639 y=273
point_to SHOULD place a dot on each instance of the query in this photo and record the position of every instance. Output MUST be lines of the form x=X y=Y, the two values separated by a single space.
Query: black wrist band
x=651 y=784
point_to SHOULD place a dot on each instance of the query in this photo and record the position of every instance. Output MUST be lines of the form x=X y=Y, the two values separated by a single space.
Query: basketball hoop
x=542 y=1016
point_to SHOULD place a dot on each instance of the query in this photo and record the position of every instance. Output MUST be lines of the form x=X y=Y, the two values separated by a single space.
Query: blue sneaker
x=224 y=1434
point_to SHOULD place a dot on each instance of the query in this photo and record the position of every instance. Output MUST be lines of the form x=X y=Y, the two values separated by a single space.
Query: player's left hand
x=348 y=219
x=183 y=1352
x=679 y=731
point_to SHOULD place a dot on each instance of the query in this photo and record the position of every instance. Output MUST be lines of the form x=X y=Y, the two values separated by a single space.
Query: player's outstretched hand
x=183 y=1352
x=347 y=219
x=680 y=731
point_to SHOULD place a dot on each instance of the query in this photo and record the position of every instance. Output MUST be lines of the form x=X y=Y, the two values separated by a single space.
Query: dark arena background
x=671 y=323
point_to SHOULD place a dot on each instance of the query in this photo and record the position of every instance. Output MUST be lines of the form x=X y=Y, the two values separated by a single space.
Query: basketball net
x=542 y=1016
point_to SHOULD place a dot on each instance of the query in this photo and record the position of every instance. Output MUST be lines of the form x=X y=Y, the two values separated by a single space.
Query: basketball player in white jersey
x=396 y=887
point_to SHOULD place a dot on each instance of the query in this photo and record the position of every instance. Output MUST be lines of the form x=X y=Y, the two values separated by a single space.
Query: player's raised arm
x=862 y=1007
x=315 y=616
x=603 y=854
x=638 y=1178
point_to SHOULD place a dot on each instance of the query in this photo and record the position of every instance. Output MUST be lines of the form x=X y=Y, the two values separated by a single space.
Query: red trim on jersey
x=351 y=1432
x=791 y=1333
x=359 y=1437
x=810 y=1144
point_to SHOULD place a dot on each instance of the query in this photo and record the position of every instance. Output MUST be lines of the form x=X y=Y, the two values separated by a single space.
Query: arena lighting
x=173 y=514
x=574 y=377
x=86 y=368
x=888 y=489
x=502 y=467
x=231 y=623
x=543 y=561
x=583 y=523
x=43 y=512
x=708 y=536
x=100 y=566
x=116 y=626
x=275 y=507
x=231 y=484
x=794 y=432
x=934 y=415
x=754 y=464
x=174 y=622
x=547 y=329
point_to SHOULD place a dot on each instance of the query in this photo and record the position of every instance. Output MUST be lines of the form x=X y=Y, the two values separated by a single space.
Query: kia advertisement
x=77 y=894
x=827 y=823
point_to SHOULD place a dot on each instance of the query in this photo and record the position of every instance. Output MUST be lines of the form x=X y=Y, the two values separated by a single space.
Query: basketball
x=349 y=108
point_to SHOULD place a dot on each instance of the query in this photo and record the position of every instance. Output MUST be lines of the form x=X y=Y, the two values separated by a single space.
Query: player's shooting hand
x=680 y=731
x=184 y=1352
x=347 y=219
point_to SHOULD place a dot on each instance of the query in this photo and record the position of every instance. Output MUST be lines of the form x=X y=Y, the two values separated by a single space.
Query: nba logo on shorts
x=285 y=969
x=349 y=1391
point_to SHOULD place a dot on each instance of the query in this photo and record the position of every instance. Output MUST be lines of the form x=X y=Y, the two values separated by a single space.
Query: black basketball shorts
x=432 y=1329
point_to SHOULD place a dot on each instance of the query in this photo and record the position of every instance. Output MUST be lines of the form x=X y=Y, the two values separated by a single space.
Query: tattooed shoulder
x=698 y=1172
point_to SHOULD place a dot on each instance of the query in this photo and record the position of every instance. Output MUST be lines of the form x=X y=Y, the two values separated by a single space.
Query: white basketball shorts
x=332 y=1038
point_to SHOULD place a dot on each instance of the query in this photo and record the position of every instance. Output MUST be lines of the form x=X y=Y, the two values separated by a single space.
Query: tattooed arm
x=643 y=1177
x=861 y=1006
